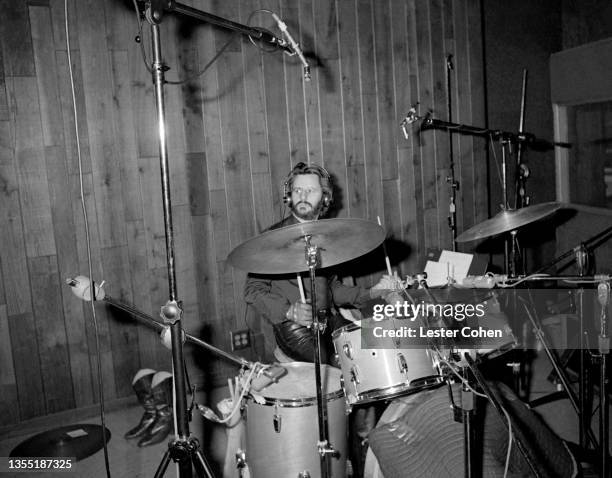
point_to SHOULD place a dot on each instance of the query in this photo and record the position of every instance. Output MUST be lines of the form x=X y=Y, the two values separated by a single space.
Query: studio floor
x=127 y=460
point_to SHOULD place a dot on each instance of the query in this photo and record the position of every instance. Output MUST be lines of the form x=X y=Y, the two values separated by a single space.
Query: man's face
x=306 y=194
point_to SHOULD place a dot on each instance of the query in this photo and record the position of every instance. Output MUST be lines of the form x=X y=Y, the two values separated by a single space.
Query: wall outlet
x=240 y=339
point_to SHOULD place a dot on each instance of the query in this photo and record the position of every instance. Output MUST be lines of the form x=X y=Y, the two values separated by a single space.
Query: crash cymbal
x=75 y=441
x=282 y=251
x=509 y=220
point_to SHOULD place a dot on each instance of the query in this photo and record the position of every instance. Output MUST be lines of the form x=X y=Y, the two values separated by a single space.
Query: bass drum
x=282 y=431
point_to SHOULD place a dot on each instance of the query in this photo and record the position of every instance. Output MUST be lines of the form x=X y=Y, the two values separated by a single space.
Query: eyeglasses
x=307 y=191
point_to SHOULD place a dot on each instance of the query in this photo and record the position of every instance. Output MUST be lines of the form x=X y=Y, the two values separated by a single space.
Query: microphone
x=81 y=287
x=411 y=117
x=294 y=45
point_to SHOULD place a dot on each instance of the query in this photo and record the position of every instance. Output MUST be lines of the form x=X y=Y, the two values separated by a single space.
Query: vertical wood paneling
x=46 y=74
x=31 y=170
x=8 y=381
x=16 y=39
x=233 y=134
x=97 y=79
x=369 y=99
x=277 y=108
x=51 y=334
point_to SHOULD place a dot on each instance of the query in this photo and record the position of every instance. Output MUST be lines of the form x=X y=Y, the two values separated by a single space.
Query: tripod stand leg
x=201 y=465
x=161 y=469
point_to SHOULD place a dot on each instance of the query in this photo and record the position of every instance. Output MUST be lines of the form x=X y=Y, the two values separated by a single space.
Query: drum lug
x=402 y=363
x=347 y=348
x=241 y=461
x=355 y=375
x=277 y=420
x=304 y=474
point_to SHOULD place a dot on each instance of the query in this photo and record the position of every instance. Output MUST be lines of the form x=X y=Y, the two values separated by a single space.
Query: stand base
x=188 y=456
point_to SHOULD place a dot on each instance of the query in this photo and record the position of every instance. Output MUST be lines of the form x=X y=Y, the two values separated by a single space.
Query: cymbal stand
x=584 y=429
x=324 y=448
x=603 y=296
x=464 y=413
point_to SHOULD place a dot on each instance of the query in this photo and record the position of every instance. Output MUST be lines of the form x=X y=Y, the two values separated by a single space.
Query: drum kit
x=285 y=413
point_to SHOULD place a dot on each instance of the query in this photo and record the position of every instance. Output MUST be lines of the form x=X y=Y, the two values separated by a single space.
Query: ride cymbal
x=509 y=220
x=282 y=251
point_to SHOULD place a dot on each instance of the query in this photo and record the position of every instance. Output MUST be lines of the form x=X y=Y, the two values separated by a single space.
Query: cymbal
x=76 y=441
x=282 y=251
x=509 y=220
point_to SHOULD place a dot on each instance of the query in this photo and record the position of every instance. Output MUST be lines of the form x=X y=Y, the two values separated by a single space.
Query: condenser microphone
x=294 y=45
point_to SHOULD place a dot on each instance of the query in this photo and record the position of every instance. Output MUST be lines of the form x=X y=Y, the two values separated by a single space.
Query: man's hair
x=325 y=181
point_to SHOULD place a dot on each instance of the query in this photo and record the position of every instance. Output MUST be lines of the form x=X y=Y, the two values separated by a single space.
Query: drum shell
x=374 y=374
x=289 y=448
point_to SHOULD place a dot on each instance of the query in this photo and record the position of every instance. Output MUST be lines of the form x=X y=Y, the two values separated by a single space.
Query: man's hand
x=300 y=313
x=385 y=284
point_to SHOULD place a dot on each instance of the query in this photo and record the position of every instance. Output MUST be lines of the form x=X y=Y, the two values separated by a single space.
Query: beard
x=306 y=211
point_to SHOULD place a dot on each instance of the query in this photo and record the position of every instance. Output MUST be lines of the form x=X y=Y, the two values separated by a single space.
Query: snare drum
x=375 y=374
x=282 y=433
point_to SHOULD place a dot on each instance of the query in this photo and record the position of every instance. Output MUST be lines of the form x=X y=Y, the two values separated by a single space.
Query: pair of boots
x=154 y=392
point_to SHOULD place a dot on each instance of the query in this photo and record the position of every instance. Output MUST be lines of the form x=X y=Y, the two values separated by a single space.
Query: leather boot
x=161 y=386
x=142 y=386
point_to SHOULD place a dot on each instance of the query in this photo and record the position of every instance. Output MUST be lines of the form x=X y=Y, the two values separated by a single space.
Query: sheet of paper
x=459 y=263
x=437 y=273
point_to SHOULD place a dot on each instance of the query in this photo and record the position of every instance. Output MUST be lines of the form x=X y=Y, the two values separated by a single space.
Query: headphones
x=325 y=179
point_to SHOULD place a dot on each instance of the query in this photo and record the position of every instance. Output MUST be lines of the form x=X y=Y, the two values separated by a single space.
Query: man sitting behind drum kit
x=308 y=192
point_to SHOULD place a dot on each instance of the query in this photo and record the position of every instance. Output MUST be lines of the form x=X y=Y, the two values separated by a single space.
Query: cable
x=142 y=49
x=462 y=379
x=206 y=67
x=88 y=243
x=189 y=78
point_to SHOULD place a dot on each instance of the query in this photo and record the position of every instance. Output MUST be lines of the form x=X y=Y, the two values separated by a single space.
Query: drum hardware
x=561 y=374
x=603 y=296
x=279 y=251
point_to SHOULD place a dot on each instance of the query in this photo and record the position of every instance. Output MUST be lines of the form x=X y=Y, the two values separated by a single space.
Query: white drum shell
x=374 y=374
x=282 y=435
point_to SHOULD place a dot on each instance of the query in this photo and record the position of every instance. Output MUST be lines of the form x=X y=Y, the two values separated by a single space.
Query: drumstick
x=230 y=384
x=385 y=252
x=301 y=286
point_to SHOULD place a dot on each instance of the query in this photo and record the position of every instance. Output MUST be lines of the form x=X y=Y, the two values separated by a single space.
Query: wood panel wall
x=233 y=134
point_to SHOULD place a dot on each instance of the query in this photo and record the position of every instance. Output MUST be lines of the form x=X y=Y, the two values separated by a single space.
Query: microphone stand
x=184 y=448
x=603 y=296
x=454 y=184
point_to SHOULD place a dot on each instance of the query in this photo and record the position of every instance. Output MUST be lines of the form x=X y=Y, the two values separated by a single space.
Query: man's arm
x=358 y=296
x=272 y=306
